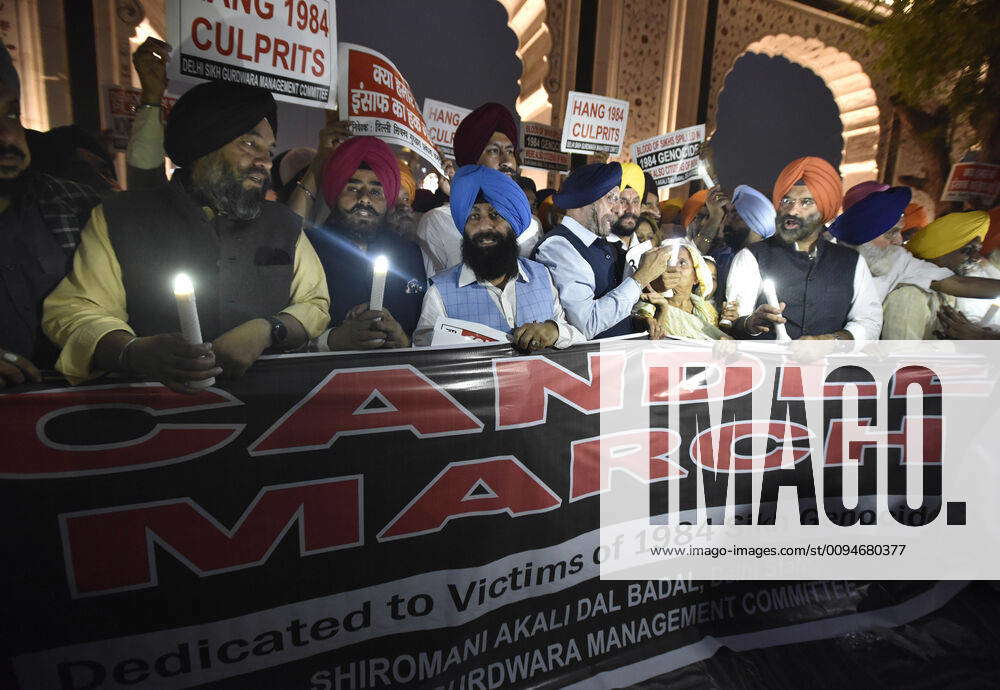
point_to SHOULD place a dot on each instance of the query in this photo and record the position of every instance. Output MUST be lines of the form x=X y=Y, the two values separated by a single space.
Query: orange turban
x=692 y=206
x=915 y=216
x=992 y=240
x=406 y=181
x=820 y=177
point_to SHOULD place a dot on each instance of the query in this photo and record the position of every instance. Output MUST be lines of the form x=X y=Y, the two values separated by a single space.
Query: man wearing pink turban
x=487 y=136
x=360 y=183
x=826 y=290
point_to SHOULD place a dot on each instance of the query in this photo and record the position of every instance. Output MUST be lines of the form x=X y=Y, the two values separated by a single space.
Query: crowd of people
x=281 y=248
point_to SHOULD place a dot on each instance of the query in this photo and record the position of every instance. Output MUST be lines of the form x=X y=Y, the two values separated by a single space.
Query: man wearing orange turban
x=400 y=217
x=809 y=178
x=826 y=290
x=694 y=203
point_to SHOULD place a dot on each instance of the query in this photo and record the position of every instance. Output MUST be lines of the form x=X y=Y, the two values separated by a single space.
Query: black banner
x=425 y=519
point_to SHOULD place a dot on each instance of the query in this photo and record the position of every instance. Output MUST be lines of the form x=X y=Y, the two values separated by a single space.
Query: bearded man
x=259 y=283
x=587 y=269
x=486 y=136
x=632 y=192
x=493 y=286
x=360 y=183
x=825 y=291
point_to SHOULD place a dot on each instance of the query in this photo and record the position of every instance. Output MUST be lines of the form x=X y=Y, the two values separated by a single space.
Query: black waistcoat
x=817 y=292
x=241 y=270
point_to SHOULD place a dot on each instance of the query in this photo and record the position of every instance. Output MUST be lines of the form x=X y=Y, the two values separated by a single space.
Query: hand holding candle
x=380 y=267
x=767 y=286
x=187 y=312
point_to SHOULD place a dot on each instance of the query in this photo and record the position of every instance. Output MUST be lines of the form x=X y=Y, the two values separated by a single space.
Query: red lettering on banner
x=640 y=453
x=195 y=38
x=263 y=46
x=727 y=435
x=740 y=377
x=111 y=549
x=928 y=381
x=931 y=430
x=524 y=384
x=30 y=454
x=338 y=406
x=476 y=487
x=281 y=53
x=792 y=387
x=319 y=66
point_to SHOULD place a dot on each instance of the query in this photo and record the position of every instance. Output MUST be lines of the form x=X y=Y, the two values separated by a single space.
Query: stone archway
x=852 y=91
x=527 y=19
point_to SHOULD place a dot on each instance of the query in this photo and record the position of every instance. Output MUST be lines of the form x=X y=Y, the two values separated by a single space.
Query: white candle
x=706 y=179
x=187 y=312
x=772 y=298
x=380 y=266
x=675 y=257
x=990 y=315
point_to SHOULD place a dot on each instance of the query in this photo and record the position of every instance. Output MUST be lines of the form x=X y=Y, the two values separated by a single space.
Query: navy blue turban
x=874 y=215
x=755 y=209
x=586 y=185
x=499 y=189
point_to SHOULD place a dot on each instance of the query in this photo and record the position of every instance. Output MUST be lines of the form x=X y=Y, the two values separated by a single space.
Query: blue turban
x=499 y=189
x=755 y=209
x=874 y=215
x=586 y=185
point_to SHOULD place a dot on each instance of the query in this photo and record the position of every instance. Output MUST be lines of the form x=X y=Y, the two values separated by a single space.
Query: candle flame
x=381 y=264
x=183 y=284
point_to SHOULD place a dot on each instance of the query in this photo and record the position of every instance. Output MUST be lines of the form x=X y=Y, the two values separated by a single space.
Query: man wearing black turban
x=258 y=281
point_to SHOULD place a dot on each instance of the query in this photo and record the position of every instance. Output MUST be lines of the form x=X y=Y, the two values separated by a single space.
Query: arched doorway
x=786 y=97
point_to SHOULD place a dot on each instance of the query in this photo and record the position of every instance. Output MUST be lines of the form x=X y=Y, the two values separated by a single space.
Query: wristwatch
x=278 y=331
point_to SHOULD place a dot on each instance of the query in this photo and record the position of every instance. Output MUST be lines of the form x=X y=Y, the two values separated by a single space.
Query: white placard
x=672 y=158
x=594 y=124
x=442 y=120
x=288 y=48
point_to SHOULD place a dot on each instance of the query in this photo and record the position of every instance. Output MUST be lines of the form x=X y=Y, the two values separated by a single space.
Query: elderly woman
x=677 y=306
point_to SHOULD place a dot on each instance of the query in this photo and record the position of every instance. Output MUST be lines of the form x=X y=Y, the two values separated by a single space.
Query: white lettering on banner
x=369 y=101
x=393 y=116
x=291 y=51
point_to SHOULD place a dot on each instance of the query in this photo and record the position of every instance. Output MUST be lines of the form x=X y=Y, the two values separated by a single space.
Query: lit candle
x=380 y=266
x=990 y=315
x=772 y=298
x=187 y=312
x=675 y=256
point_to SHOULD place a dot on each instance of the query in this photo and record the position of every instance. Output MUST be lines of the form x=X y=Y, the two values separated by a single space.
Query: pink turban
x=821 y=179
x=861 y=190
x=348 y=157
x=476 y=128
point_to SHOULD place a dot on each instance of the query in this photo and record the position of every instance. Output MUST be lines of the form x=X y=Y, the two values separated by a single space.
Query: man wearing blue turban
x=586 y=269
x=493 y=286
x=750 y=220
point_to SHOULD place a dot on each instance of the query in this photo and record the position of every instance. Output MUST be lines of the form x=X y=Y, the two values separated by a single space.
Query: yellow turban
x=632 y=177
x=948 y=233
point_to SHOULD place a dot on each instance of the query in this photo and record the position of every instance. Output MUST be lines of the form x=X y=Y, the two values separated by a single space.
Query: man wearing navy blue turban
x=493 y=286
x=586 y=269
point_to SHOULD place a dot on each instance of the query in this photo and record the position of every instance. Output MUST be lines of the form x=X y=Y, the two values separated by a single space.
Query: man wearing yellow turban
x=953 y=242
x=633 y=191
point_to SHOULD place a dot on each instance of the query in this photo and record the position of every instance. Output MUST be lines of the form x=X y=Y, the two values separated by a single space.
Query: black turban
x=212 y=114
